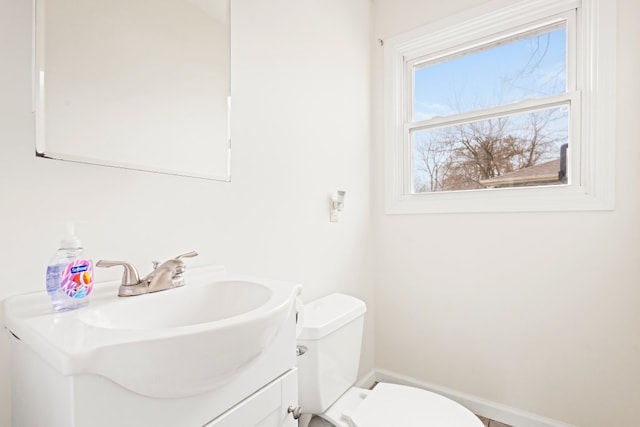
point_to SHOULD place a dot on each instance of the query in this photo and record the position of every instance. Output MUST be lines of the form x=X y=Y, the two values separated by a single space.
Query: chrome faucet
x=169 y=274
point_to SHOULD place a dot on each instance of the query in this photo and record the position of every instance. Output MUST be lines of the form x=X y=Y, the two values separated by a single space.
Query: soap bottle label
x=53 y=277
x=77 y=278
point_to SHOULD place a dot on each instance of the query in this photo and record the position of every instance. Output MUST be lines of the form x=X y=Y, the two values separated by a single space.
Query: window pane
x=511 y=151
x=532 y=66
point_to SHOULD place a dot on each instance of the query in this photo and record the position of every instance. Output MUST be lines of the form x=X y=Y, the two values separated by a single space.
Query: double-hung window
x=504 y=108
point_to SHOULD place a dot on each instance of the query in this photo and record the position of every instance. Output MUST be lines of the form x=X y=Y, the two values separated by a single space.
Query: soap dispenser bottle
x=69 y=274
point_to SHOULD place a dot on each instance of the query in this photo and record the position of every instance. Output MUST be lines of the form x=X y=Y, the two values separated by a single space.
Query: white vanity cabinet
x=41 y=396
x=184 y=368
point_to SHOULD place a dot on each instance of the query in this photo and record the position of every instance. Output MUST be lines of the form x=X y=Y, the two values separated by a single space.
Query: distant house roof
x=541 y=174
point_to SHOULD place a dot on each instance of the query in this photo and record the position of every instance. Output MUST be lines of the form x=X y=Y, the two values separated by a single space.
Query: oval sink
x=170 y=344
x=185 y=306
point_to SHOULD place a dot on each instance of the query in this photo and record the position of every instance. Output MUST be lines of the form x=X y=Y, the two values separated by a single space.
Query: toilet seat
x=397 y=405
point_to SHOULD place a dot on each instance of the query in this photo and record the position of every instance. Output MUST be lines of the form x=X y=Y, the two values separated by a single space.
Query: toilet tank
x=331 y=339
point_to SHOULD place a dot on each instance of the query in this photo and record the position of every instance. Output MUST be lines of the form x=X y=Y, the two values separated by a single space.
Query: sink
x=213 y=303
x=170 y=344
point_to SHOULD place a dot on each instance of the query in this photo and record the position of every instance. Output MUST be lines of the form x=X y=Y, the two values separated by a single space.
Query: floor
x=492 y=423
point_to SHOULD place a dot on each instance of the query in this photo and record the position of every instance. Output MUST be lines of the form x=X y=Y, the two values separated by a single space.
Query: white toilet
x=329 y=345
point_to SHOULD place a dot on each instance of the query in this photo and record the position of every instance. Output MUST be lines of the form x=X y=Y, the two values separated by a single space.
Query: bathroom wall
x=537 y=311
x=300 y=131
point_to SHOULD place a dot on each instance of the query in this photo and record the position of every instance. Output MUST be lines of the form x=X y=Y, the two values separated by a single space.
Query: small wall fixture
x=337 y=204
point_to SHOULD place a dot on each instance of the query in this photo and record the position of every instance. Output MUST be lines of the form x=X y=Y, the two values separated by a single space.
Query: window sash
x=574 y=162
x=566 y=19
x=412 y=145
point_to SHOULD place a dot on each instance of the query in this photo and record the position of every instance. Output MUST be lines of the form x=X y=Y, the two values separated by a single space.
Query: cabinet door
x=268 y=407
x=289 y=399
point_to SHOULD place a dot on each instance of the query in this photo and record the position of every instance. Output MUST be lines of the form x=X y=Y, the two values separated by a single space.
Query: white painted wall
x=300 y=131
x=539 y=311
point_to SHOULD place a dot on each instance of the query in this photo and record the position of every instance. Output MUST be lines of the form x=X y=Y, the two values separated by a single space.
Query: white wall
x=540 y=311
x=300 y=131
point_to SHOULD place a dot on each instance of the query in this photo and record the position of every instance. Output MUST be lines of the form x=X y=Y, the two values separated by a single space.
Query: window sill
x=532 y=199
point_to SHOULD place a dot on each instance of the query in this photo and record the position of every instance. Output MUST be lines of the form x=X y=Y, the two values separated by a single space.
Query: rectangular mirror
x=137 y=84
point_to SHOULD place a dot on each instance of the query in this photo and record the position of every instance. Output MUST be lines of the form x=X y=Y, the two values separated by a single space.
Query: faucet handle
x=187 y=255
x=130 y=274
x=178 y=267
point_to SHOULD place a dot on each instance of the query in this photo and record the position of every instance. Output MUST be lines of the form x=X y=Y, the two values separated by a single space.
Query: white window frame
x=592 y=97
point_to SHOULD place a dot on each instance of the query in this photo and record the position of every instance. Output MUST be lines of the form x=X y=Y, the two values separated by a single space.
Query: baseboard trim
x=495 y=411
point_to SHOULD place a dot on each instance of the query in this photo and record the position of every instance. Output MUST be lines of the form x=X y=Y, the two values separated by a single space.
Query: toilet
x=329 y=353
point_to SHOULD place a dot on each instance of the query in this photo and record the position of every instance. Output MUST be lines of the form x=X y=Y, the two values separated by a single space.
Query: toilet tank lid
x=327 y=314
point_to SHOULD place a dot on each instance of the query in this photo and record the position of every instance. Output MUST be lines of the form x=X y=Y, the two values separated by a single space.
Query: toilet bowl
x=329 y=347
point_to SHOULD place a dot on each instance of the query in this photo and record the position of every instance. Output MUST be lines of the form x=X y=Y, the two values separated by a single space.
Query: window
x=505 y=108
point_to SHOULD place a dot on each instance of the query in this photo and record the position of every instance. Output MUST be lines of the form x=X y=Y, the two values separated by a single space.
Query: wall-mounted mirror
x=139 y=84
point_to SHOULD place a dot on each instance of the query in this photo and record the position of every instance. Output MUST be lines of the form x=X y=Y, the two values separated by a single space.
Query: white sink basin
x=175 y=343
x=185 y=306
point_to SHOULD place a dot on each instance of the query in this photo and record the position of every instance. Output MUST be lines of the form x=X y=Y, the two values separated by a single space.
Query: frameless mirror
x=137 y=84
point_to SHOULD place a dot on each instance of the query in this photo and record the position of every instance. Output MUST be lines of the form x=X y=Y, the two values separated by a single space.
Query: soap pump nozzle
x=71 y=240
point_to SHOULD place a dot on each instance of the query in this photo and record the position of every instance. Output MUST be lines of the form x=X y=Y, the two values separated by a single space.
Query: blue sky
x=527 y=68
